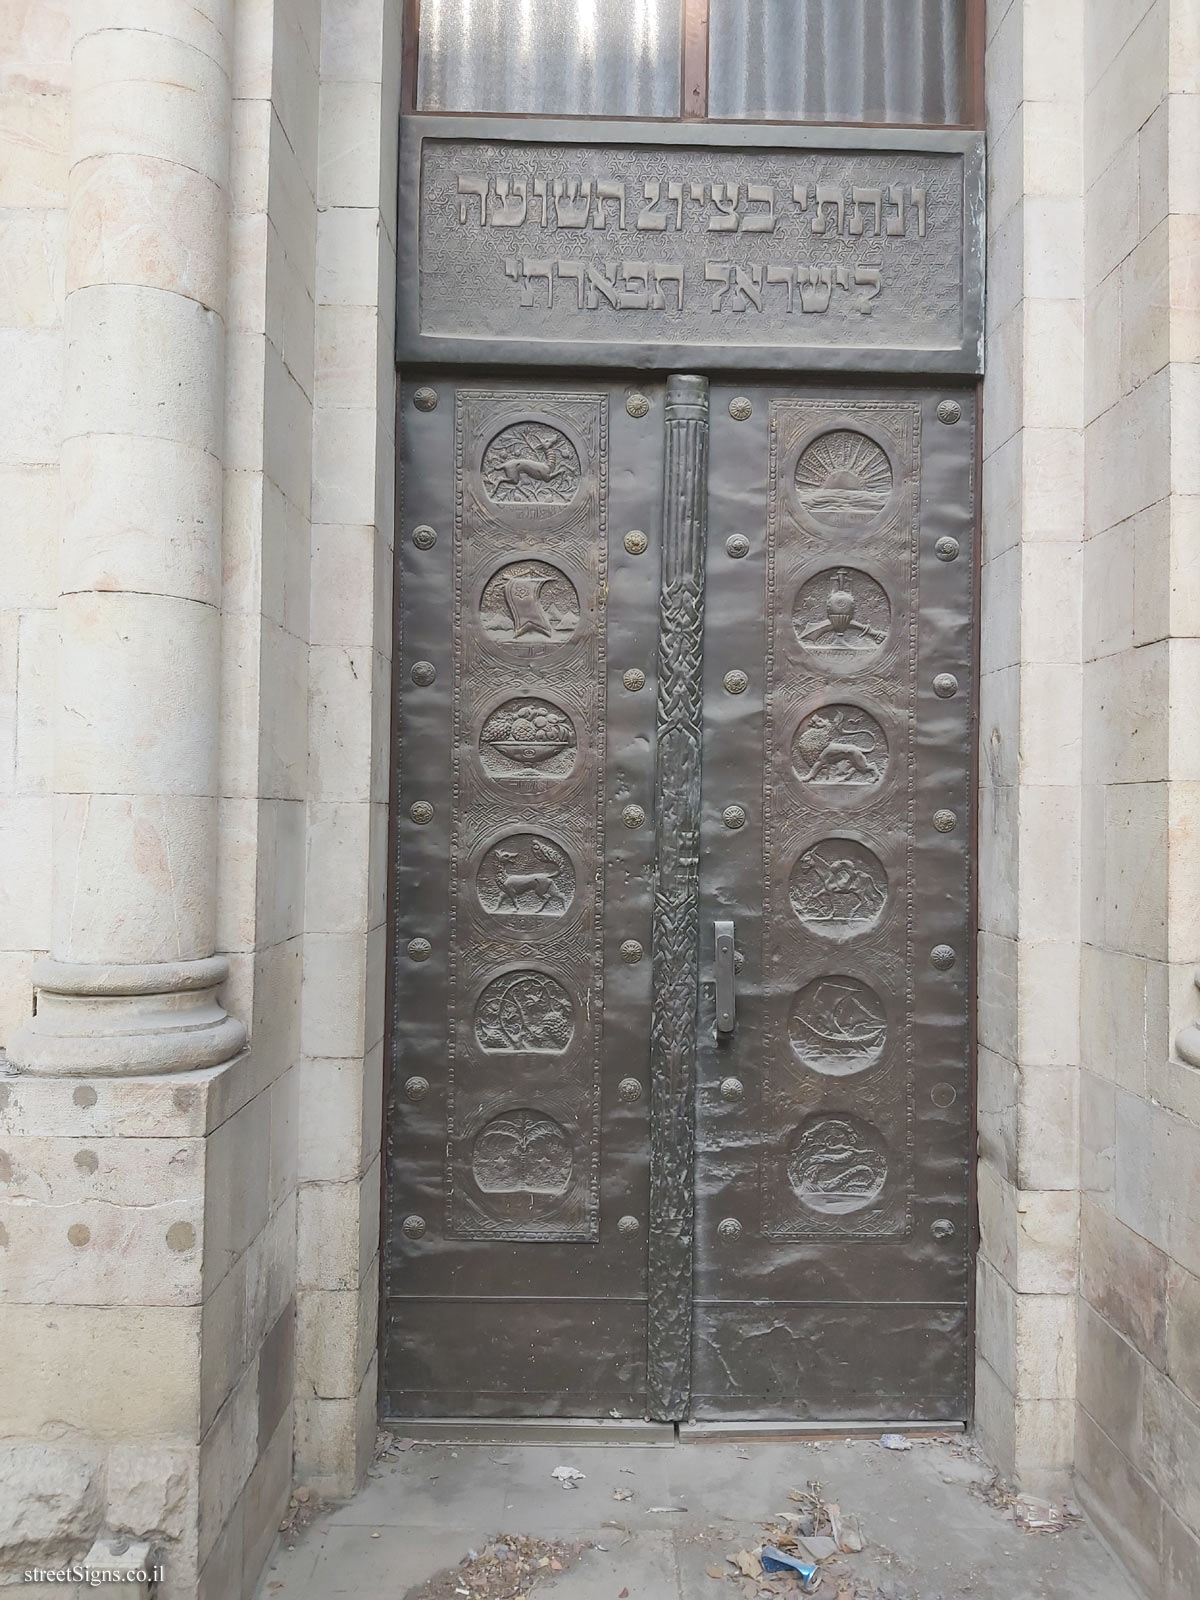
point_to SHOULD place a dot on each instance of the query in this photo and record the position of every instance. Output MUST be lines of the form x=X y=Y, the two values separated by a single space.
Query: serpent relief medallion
x=837 y=1164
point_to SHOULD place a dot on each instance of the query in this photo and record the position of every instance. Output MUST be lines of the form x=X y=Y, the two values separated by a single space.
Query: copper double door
x=680 y=1105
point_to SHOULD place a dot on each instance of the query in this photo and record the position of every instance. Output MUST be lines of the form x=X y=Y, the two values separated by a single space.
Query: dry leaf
x=713 y=1572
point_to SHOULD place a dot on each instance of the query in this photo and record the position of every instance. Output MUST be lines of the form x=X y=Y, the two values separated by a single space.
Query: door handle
x=726 y=1003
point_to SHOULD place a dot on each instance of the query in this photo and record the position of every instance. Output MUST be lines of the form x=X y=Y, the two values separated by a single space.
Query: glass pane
x=608 y=58
x=899 y=61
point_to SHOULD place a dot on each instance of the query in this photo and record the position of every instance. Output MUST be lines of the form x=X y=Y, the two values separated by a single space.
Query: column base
x=111 y=1020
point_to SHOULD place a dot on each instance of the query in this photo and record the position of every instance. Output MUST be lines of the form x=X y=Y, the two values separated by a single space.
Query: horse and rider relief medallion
x=838 y=888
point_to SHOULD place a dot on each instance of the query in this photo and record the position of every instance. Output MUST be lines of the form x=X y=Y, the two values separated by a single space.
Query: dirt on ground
x=509 y=1567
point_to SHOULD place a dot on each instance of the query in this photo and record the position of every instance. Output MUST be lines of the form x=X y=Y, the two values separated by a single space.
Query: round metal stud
x=421 y=812
x=737 y=546
x=413 y=1227
x=740 y=408
x=946 y=549
x=630 y=1091
x=423 y=674
x=636 y=542
x=629 y=1226
x=634 y=680
x=945 y=821
x=736 y=682
x=943 y=1095
x=943 y=1228
x=945 y=686
x=949 y=412
x=631 y=952
x=424 y=537
x=633 y=816
x=733 y=817
x=732 y=1089
x=729 y=1228
x=416 y=1088
x=425 y=399
x=637 y=405
x=943 y=957
x=419 y=949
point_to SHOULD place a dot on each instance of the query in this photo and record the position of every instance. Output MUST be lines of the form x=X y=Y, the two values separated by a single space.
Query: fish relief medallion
x=531 y=468
x=528 y=738
x=840 y=753
x=526 y=875
x=837 y=1164
x=529 y=603
x=844 y=482
x=842 y=618
x=838 y=888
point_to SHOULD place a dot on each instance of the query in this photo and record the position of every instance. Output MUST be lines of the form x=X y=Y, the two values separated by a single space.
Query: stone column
x=131 y=983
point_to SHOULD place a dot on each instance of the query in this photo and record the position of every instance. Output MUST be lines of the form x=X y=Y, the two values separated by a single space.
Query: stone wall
x=1138 y=1430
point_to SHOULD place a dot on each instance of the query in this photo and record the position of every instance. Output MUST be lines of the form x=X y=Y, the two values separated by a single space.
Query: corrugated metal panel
x=890 y=61
x=615 y=58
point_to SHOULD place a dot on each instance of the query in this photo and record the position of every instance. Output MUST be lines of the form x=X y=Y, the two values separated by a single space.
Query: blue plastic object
x=775 y=1560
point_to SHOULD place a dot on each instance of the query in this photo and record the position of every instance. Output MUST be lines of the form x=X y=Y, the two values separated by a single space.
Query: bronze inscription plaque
x=673 y=252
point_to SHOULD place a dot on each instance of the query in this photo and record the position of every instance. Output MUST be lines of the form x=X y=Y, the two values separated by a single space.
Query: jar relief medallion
x=528 y=737
x=843 y=481
x=522 y=1012
x=530 y=602
x=525 y=875
x=837 y=1164
x=840 y=747
x=523 y=1152
x=838 y=1026
x=531 y=464
x=838 y=888
x=842 y=616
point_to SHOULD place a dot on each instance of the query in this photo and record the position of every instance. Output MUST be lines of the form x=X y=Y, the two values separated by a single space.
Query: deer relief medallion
x=838 y=1026
x=522 y=1012
x=843 y=481
x=528 y=738
x=529 y=602
x=525 y=875
x=843 y=617
x=840 y=747
x=531 y=464
x=838 y=888
x=837 y=1164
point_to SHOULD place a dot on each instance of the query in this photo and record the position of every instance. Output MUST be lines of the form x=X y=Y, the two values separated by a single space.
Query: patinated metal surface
x=676 y=947
x=674 y=245
x=845 y=1159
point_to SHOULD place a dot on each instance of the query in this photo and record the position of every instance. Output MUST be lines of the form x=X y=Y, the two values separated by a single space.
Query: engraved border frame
x=414 y=346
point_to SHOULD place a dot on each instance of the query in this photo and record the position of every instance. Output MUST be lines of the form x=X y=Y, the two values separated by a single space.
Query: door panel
x=518 y=1122
x=833 y=1122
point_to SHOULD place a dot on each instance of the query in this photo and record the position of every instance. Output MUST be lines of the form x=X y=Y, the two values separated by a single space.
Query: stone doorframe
x=175 y=1373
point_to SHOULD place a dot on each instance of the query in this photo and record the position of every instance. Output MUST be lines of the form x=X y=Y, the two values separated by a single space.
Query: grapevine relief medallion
x=838 y=888
x=837 y=1164
x=529 y=600
x=525 y=875
x=843 y=481
x=522 y=1152
x=526 y=735
x=524 y=1011
x=840 y=745
x=841 y=615
x=838 y=1026
x=531 y=463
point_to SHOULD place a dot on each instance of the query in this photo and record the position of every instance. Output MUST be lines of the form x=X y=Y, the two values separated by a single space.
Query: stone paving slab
x=928 y=1535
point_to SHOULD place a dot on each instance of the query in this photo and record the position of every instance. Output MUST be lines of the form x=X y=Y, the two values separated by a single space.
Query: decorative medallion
x=631 y=952
x=525 y=875
x=524 y=1011
x=733 y=1090
x=943 y=957
x=628 y=1226
x=629 y=1090
x=729 y=1229
x=637 y=405
x=840 y=746
x=942 y=1228
x=531 y=463
x=529 y=600
x=419 y=949
x=736 y=682
x=425 y=399
x=838 y=888
x=837 y=1164
x=526 y=736
x=945 y=821
x=416 y=1088
x=943 y=1095
x=636 y=542
x=421 y=813
x=737 y=546
x=949 y=412
x=741 y=408
x=633 y=816
x=522 y=1152
x=843 y=481
x=946 y=549
x=734 y=817
x=423 y=674
x=838 y=1026
x=413 y=1227
x=945 y=686
x=634 y=680
x=424 y=537
x=842 y=616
